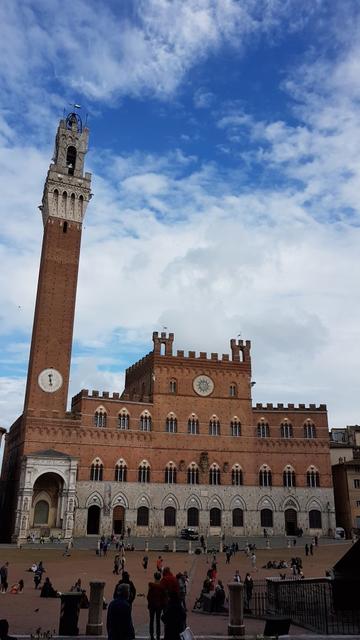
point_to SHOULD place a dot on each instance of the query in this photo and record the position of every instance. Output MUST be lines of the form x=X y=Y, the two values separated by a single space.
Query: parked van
x=339 y=533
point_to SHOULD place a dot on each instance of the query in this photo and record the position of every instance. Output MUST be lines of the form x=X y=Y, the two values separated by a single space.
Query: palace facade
x=183 y=444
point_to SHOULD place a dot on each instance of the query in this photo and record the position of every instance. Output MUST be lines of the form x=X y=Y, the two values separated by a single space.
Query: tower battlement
x=269 y=406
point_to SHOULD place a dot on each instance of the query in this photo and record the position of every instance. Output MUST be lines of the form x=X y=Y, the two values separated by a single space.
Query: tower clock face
x=203 y=385
x=50 y=380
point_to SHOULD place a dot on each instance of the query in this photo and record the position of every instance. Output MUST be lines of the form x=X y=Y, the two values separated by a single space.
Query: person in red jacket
x=156 y=602
x=169 y=582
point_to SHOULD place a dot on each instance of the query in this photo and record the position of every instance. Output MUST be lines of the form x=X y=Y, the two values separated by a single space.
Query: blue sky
x=225 y=140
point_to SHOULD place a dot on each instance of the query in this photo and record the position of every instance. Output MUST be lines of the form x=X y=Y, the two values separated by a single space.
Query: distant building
x=345 y=457
x=181 y=446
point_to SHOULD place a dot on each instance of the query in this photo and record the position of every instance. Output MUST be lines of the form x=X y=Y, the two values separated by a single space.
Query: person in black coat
x=132 y=589
x=174 y=617
x=119 y=623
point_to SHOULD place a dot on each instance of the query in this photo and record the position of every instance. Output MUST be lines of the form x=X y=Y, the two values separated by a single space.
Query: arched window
x=120 y=471
x=71 y=160
x=214 y=474
x=171 y=423
x=235 y=427
x=286 y=430
x=193 y=474
x=123 y=419
x=41 y=512
x=266 y=518
x=315 y=521
x=170 y=517
x=142 y=519
x=145 y=421
x=263 y=430
x=236 y=475
x=238 y=518
x=313 y=477
x=100 y=417
x=172 y=386
x=96 y=471
x=193 y=517
x=214 y=426
x=289 y=478
x=215 y=517
x=144 y=472
x=309 y=429
x=193 y=425
x=232 y=390
x=170 y=473
x=265 y=477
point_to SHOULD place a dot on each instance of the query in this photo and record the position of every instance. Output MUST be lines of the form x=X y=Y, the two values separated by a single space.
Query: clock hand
x=50 y=375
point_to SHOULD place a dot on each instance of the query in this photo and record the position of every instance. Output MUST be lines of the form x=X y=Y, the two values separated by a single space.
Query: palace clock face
x=203 y=385
x=50 y=380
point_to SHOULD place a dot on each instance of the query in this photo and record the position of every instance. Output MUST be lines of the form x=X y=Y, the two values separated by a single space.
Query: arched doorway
x=290 y=522
x=93 y=520
x=119 y=520
x=46 y=503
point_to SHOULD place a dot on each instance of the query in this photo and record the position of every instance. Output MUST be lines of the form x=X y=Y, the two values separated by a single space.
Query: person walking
x=159 y=564
x=156 y=602
x=119 y=622
x=228 y=555
x=249 y=586
x=145 y=562
x=306 y=549
x=253 y=561
x=132 y=590
x=123 y=562
x=174 y=618
x=4 y=572
x=116 y=565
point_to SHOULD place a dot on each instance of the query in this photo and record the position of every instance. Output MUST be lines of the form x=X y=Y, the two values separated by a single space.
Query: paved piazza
x=27 y=612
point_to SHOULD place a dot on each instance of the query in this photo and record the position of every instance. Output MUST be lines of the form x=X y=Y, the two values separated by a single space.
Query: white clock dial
x=50 y=380
x=203 y=385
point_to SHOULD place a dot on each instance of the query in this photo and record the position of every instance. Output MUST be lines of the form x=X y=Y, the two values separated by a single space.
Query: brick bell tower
x=65 y=198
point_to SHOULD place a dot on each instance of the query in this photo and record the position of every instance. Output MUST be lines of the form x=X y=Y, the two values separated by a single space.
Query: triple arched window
x=309 y=429
x=312 y=477
x=235 y=427
x=96 y=470
x=214 y=426
x=193 y=474
x=100 y=417
x=286 y=429
x=171 y=423
x=263 y=430
x=265 y=476
x=123 y=419
x=193 y=425
x=289 y=478
x=144 y=471
x=236 y=475
x=120 y=471
x=214 y=474
x=145 y=421
x=170 y=473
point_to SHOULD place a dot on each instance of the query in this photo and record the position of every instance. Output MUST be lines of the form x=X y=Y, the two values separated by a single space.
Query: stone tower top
x=67 y=189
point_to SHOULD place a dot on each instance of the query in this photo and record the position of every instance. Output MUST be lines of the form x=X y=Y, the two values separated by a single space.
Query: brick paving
x=26 y=612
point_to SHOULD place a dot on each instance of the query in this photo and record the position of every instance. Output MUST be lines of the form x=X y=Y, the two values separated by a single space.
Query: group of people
x=166 y=598
x=104 y=543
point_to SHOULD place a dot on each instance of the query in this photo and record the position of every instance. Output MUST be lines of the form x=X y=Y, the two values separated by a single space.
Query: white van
x=339 y=533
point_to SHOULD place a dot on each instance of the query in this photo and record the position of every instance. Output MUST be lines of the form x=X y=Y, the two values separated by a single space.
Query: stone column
x=267 y=543
x=236 y=625
x=69 y=614
x=190 y=546
x=94 y=626
x=221 y=546
x=146 y=546
x=174 y=546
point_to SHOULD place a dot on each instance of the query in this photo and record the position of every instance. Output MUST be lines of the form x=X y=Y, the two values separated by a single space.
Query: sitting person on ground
x=18 y=587
x=218 y=598
x=47 y=590
x=206 y=585
x=4 y=630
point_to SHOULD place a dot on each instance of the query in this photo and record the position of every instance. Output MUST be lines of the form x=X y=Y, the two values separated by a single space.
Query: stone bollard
x=190 y=547
x=236 y=625
x=94 y=626
x=146 y=545
x=69 y=613
x=267 y=543
x=221 y=546
x=174 y=546
x=289 y=543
